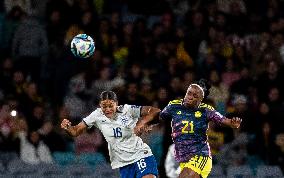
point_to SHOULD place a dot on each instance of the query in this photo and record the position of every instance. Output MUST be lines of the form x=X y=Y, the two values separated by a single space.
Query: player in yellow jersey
x=190 y=118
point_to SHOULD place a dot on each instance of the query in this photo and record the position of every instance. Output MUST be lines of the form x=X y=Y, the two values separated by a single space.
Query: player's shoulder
x=175 y=102
x=206 y=106
x=97 y=112
x=126 y=107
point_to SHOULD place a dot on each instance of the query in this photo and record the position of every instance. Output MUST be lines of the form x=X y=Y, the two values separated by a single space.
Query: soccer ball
x=82 y=46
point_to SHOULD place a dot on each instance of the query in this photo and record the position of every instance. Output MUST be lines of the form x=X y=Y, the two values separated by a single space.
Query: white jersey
x=124 y=146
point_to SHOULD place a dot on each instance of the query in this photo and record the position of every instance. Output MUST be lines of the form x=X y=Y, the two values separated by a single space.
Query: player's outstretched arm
x=148 y=114
x=73 y=131
x=235 y=122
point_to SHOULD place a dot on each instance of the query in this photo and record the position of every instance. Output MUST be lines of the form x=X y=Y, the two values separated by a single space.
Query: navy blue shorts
x=140 y=168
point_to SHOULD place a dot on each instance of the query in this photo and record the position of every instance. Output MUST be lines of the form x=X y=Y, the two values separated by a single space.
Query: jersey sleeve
x=215 y=116
x=166 y=114
x=134 y=110
x=91 y=119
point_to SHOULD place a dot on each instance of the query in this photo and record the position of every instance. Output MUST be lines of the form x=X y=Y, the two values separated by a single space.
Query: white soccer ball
x=82 y=46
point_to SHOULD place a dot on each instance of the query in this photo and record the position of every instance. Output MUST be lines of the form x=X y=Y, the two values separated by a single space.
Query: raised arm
x=148 y=114
x=216 y=117
x=234 y=123
x=73 y=131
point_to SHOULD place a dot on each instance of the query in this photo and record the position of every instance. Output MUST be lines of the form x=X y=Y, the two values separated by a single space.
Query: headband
x=198 y=86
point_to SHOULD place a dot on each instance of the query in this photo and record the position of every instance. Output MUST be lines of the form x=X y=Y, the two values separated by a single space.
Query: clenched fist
x=65 y=124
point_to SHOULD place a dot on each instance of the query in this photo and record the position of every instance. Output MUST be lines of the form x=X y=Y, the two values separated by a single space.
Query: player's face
x=108 y=107
x=192 y=97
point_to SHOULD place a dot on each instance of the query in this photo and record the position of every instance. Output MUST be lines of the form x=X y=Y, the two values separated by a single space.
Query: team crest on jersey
x=179 y=112
x=124 y=120
x=197 y=114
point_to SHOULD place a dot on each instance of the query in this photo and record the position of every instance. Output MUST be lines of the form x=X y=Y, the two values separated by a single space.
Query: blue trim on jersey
x=140 y=168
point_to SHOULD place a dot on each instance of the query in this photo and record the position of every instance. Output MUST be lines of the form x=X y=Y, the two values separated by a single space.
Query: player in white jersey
x=121 y=125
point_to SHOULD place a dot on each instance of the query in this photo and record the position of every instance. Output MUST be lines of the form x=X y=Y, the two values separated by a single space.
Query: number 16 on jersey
x=117 y=132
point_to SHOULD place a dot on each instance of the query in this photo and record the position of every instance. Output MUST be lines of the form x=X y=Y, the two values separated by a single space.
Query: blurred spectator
x=25 y=5
x=219 y=93
x=162 y=98
x=171 y=166
x=230 y=75
x=29 y=99
x=18 y=85
x=225 y=6
x=8 y=142
x=10 y=24
x=37 y=119
x=263 y=115
x=195 y=33
x=89 y=142
x=188 y=78
x=175 y=90
x=71 y=32
x=51 y=138
x=271 y=77
x=235 y=152
x=244 y=84
x=265 y=146
x=241 y=109
x=216 y=139
x=55 y=33
x=32 y=148
x=29 y=46
x=147 y=90
x=75 y=100
x=104 y=82
x=279 y=152
x=211 y=62
x=6 y=75
x=131 y=95
x=135 y=74
x=179 y=7
x=88 y=22
x=275 y=108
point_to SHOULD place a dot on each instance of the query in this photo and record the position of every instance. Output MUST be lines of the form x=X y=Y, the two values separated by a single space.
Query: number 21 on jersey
x=188 y=127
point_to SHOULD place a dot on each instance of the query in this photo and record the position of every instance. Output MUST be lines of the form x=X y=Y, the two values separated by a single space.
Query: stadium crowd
x=148 y=52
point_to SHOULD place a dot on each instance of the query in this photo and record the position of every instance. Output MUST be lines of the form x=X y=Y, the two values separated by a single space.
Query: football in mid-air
x=82 y=46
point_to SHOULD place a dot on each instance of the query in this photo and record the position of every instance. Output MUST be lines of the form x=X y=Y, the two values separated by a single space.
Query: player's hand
x=65 y=124
x=138 y=129
x=141 y=128
x=236 y=122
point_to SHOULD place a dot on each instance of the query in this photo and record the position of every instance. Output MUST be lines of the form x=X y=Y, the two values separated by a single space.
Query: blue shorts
x=140 y=168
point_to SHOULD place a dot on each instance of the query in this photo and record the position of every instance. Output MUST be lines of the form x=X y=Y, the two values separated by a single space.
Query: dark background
x=148 y=51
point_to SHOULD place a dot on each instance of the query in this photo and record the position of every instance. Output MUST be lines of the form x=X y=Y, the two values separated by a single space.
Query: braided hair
x=108 y=95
